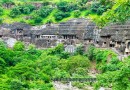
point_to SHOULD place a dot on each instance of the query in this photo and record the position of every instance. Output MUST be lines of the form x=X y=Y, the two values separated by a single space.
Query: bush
x=15 y=12
x=90 y=52
x=98 y=8
x=79 y=50
x=16 y=85
x=73 y=6
x=19 y=46
x=60 y=15
x=77 y=13
x=76 y=62
x=44 y=11
x=63 y=6
x=26 y=10
x=23 y=9
x=37 y=20
x=66 y=6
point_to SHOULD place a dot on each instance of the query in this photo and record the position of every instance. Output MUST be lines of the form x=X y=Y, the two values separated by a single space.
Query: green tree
x=44 y=11
x=90 y=52
x=15 y=12
x=75 y=62
x=19 y=46
x=98 y=8
x=117 y=79
x=118 y=13
x=16 y=85
x=37 y=20
x=80 y=50
x=63 y=6
x=60 y=15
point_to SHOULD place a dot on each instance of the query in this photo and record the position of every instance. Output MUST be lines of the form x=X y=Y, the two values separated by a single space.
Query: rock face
x=11 y=42
x=72 y=32
x=116 y=36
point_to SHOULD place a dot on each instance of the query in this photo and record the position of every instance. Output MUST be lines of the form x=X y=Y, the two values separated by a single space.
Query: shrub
x=16 y=85
x=76 y=62
x=15 y=12
x=44 y=11
x=77 y=13
x=73 y=6
x=23 y=9
x=60 y=15
x=19 y=46
x=79 y=50
x=66 y=6
x=26 y=10
x=38 y=20
x=57 y=50
x=90 y=52
x=63 y=6
x=98 y=8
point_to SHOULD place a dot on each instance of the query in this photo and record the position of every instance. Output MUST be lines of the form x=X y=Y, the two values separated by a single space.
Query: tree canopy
x=120 y=12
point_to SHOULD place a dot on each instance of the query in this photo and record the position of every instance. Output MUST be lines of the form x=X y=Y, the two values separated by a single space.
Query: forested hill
x=36 y=12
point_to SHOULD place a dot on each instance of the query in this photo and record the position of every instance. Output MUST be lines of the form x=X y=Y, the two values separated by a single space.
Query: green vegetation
x=28 y=68
x=113 y=73
x=55 y=10
x=120 y=12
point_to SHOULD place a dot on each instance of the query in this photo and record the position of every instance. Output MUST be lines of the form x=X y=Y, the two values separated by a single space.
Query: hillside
x=76 y=51
x=36 y=12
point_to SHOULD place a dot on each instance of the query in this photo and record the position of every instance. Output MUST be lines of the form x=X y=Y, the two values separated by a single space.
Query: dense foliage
x=23 y=9
x=120 y=12
x=41 y=11
x=60 y=15
x=28 y=68
x=113 y=73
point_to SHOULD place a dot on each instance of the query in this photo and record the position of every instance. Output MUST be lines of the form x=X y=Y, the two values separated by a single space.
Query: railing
x=75 y=79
